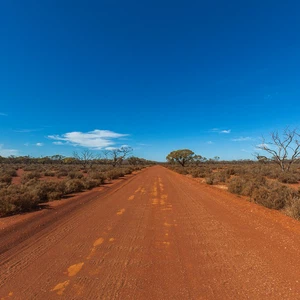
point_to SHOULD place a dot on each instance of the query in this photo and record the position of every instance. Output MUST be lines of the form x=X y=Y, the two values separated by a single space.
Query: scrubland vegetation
x=262 y=183
x=272 y=181
x=26 y=182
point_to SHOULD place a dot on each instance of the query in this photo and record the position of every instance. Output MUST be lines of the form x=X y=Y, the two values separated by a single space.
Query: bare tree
x=284 y=148
x=261 y=158
x=85 y=157
x=116 y=156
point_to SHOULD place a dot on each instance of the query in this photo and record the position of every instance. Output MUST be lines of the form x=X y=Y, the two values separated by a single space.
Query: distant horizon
x=158 y=76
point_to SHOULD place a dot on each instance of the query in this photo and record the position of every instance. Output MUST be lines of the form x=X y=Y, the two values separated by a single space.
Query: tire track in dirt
x=157 y=236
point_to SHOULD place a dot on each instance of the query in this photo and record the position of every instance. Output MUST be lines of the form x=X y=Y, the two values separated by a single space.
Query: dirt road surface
x=156 y=235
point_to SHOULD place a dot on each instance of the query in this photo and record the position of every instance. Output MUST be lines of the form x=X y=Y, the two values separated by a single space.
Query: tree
x=133 y=160
x=181 y=156
x=261 y=158
x=116 y=156
x=85 y=157
x=284 y=149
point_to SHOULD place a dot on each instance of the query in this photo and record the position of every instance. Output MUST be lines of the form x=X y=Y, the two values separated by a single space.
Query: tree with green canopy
x=182 y=156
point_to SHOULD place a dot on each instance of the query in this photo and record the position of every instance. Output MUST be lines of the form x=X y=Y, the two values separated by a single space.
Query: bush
x=114 y=174
x=197 y=173
x=294 y=209
x=74 y=186
x=49 y=173
x=245 y=185
x=288 y=178
x=99 y=176
x=47 y=191
x=17 y=199
x=6 y=179
x=61 y=173
x=91 y=183
x=75 y=175
x=31 y=175
x=274 y=196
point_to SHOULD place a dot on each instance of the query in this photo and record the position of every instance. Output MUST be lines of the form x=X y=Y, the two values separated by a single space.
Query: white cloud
x=7 y=152
x=39 y=144
x=225 y=131
x=242 y=139
x=209 y=142
x=96 y=139
x=58 y=143
x=262 y=146
x=218 y=130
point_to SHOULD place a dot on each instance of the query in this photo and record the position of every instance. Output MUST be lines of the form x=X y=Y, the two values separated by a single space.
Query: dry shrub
x=5 y=179
x=75 y=175
x=274 y=198
x=197 y=173
x=47 y=191
x=127 y=171
x=91 y=183
x=62 y=173
x=74 y=186
x=288 y=178
x=31 y=175
x=114 y=174
x=9 y=171
x=99 y=176
x=17 y=199
x=50 y=173
x=293 y=210
x=210 y=180
x=245 y=185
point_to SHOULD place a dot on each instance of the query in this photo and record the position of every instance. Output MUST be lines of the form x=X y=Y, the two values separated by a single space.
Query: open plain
x=153 y=235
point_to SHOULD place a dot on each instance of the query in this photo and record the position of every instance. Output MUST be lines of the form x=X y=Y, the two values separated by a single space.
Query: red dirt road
x=157 y=235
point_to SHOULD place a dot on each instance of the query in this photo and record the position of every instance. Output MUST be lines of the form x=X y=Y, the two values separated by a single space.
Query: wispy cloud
x=58 y=143
x=96 y=139
x=39 y=144
x=218 y=130
x=209 y=142
x=7 y=152
x=261 y=147
x=26 y=130
x=3 y=114
x=225 y=131
x=242 y=139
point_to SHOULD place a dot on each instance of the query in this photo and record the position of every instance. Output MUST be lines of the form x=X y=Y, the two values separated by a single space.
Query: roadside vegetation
x=26 y=183
x=272 y=180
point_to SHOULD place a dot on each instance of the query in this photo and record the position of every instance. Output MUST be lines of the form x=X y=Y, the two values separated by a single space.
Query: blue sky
x=212 y=76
